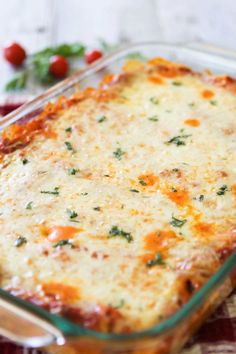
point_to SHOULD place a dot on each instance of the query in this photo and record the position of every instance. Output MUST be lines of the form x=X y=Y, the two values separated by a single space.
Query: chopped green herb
x=68 y=130
x=157 y=260
x=175 y=170
x=154 y=100
x=25 y=161
x=178 y=140
x=97 y=208
x=201 y=198
x=116 y=232
x=222 y=190
x=42 y=172
x=20 y=241
x=54 y=192
x=177 y=222
x=124 y=97
x=106 y=175
x=177 y=83
x=120 y=305
x=142 y=182
x=192 y=104
x=72 y=214
x=72 y=171
x=213 y=103
x=29 y=206
x=85 y=193
x=134 y=190
x=69 y=147
x=173 y=189
x=63 y=243
x=153 y=119
x=118 y=153
x=102 y=119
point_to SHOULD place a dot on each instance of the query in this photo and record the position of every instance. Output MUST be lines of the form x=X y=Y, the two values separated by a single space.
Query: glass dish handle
x=212 y=49
x=23 y=327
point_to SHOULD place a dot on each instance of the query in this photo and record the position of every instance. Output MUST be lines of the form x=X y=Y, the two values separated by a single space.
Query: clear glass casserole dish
x=32 y=326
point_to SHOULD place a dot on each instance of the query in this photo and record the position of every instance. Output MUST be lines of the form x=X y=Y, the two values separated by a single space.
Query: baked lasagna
x=118 y=203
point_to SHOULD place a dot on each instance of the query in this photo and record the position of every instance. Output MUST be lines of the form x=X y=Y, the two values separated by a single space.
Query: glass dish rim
x=70 y=329
x=67 y=327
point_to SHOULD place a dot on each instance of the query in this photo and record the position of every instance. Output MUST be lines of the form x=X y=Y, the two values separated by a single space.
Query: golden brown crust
x=21 y=133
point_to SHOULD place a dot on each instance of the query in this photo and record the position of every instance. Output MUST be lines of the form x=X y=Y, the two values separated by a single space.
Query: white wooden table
x=37 y=24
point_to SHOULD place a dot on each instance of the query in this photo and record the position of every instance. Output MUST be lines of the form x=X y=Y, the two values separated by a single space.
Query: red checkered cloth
x=216 y=336
x=9 y=104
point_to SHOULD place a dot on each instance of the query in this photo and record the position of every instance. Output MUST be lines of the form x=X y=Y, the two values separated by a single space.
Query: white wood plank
x=37 y=24
x=28 y=22
x=179 y=20
x=212 y=21
x=109 y=19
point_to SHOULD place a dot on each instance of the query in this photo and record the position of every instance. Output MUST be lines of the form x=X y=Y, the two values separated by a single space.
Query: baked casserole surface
x=118 y=204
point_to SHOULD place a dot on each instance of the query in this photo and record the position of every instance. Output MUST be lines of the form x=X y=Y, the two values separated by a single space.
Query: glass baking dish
x=30 y=325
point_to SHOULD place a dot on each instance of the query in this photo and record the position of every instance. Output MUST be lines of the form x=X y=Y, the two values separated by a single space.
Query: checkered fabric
x=216 y=336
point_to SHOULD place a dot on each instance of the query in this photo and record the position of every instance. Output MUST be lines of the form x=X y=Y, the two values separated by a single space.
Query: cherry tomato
x=92 y=56
x=14 y=53
x=59 y=66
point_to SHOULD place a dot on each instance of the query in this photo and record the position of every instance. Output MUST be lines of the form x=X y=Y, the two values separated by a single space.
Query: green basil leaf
x=70 y=50
x=41 y=69
x=18 y=82
x=67 y=50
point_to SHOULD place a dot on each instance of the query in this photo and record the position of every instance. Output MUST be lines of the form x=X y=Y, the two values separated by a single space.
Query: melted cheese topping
x=131 y=200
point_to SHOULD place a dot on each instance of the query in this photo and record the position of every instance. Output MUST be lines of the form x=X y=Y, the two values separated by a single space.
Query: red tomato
x=92 y=56
x=14 y=53
x=59 y=66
